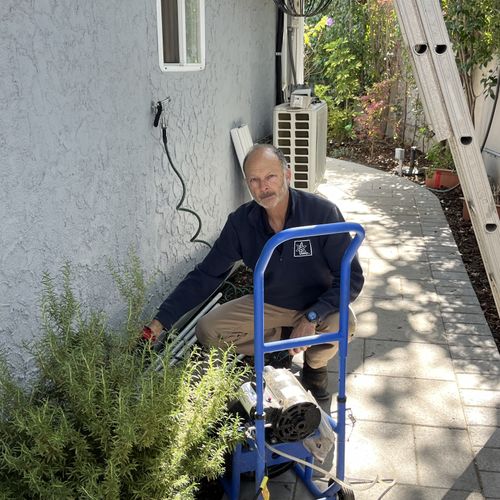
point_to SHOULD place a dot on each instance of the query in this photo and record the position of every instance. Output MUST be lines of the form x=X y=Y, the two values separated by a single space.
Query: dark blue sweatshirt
x=302 y=274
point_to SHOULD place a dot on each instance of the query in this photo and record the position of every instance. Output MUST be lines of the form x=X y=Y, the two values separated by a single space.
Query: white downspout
x=297 y=26
x=293 y=42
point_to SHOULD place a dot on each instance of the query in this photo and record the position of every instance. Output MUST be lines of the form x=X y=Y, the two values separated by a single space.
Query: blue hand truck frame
x=254 y=456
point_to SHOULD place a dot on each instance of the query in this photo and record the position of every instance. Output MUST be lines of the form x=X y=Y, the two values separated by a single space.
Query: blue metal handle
x=261 y=347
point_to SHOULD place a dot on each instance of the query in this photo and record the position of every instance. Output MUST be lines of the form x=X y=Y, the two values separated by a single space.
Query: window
x=181 y=34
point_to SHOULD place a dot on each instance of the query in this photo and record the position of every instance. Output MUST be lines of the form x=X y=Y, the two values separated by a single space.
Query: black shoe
x=316 y=381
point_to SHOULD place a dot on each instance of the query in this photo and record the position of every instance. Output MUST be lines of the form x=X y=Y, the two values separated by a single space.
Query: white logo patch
x=302 y=248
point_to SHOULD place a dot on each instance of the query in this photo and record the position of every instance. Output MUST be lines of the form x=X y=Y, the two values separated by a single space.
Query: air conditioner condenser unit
x=301 y=135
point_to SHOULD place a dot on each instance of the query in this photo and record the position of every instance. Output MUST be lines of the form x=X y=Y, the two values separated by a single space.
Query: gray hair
x=277 y=152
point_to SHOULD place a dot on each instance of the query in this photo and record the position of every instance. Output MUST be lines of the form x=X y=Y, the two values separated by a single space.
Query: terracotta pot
x=442 y=179
x=465 y=211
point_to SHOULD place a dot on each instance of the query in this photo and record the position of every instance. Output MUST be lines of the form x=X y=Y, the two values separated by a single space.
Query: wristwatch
x=312 y=317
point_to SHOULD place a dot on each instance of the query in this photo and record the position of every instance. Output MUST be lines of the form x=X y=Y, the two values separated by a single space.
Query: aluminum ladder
x=446 y=110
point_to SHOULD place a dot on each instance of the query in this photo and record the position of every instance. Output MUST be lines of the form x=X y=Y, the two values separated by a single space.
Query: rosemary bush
x=97 y=423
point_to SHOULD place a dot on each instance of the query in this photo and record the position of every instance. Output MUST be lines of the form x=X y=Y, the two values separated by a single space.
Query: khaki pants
x=232 y=323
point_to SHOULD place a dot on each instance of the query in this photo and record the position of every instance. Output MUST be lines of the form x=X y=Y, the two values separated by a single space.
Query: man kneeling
x=302 y=280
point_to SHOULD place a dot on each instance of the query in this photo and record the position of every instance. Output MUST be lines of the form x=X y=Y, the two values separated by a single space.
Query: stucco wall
x=83 y=174
x=484 y=108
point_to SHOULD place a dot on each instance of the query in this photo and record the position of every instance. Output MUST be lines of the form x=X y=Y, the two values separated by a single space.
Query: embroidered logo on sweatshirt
x=302 y=248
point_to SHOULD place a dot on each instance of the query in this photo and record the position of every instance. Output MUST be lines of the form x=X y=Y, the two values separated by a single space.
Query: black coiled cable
x=179 y=206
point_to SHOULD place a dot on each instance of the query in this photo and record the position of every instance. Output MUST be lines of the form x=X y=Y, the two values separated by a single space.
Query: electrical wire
x=371 y=483
x=434 y=190
x=179 y=206
x=250 y=434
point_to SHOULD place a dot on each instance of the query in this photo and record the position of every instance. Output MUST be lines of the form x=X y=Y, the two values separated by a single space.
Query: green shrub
x=99 y=423
x=340 y=118
x=439 y=155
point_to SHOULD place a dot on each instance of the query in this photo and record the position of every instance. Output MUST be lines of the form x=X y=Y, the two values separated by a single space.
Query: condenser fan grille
x=302 y=8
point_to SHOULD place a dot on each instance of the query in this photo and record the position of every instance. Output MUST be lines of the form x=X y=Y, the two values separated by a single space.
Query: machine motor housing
x=292 y=412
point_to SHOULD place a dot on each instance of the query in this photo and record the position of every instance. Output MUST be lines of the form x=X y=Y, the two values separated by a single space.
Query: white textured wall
x=83 y=175
x=484 y=108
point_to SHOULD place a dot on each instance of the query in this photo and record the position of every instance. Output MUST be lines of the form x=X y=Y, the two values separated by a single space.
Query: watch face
x=312 y=316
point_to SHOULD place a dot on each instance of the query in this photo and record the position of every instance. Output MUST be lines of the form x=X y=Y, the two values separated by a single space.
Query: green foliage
x=130 y=282
x=315 y=36
x=359 y=44
x=439 y=155
x=341 y=71
x=382 y=41
x=474 y=28
x=330 y=62
x=347 y=52
x=333 y=67
x=340 y=119
x=371 y=33
x=98 y=422
x=422 y=131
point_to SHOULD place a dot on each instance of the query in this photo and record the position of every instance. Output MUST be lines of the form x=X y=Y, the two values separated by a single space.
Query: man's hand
x=152 y=331
x=156 y=327
x=304 y=329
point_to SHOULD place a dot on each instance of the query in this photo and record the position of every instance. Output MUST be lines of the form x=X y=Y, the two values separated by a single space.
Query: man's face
x=267 y=180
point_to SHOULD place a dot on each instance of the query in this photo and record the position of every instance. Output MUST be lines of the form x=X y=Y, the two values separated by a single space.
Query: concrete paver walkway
x=423 y=384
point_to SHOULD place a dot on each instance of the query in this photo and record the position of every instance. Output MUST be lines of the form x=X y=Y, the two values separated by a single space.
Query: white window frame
x=182 y=65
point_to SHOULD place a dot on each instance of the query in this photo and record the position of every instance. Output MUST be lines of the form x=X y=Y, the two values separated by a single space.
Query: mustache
x=268 y=195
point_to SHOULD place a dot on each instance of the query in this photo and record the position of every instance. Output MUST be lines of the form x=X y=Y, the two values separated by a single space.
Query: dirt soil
x=382 y=158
